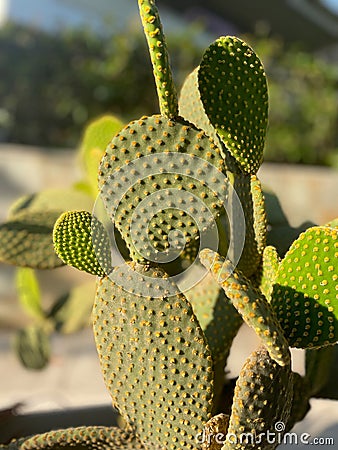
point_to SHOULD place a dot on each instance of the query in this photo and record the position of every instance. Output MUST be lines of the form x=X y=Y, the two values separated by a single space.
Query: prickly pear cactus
x=93 y=438
x=257 y=406
x=81 y=241
x=304 y=295
x=251 y=304
x=154 y=357
x=176 y=189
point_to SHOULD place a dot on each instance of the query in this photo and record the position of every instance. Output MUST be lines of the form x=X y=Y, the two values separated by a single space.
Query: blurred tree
x=303 y=104
x=52 y=85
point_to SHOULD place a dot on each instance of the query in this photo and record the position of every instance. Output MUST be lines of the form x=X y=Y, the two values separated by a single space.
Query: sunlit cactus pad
x=250 y=303
x=81 y=241
x=305 y=294
x=234 y=93
x=161 y=181
x=154 y=358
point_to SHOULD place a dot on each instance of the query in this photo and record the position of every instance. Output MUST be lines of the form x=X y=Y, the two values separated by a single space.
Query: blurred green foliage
x=303 y=104
x=52 y=85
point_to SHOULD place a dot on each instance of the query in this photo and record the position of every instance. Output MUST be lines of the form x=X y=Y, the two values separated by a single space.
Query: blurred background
x=63 y=63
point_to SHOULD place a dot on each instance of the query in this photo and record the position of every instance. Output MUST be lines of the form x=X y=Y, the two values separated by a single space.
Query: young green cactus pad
x=269 y=271
x=93 y=145
x=305 y=297
x=262 y=401
x=233 y=90
x=26 y=240
x=81 y=241
x=93 y=438
x=72 y=311
x=161 y=184
x=250 y=303
x=155 y=360
x=28 y=291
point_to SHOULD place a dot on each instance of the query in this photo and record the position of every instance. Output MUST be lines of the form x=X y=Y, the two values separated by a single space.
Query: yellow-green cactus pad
x=250 y=303
x=305 y=294
x=28 y=291
x=97 y=136
x=154 y=358
x=91 y=437
x=26 y=240
x=72 y=311
x=269 y=271
x=262 y=401
x=81 y=241
x=162 y=185
x=234 y=93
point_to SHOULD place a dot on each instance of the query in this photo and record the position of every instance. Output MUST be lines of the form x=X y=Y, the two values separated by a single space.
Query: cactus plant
x=182 y=190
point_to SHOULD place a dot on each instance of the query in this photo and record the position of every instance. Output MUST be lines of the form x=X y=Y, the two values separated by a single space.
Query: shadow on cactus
x=179 y=192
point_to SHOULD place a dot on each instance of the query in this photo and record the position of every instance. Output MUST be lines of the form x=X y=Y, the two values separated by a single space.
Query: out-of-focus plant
x=51 y=85
x=304 y=105
x=48 y=100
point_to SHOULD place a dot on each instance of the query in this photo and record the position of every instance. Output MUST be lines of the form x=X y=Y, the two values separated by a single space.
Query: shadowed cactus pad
x=233 y=90
x=81 y=241
x=155 y=360
x=162 y=185
x=93 y=438
x=262 y=399
x=252 y=202
x=217 y=316
x=250 y=303
x=305 y=294
x=26 y=240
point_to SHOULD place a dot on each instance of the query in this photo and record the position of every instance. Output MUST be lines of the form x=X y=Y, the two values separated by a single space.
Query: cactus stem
x=153 y=30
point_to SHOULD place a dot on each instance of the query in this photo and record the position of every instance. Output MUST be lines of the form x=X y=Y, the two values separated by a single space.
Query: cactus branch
x=152 y=26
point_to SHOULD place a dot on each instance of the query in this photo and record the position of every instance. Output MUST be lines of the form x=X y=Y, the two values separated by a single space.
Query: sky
x=332 y=4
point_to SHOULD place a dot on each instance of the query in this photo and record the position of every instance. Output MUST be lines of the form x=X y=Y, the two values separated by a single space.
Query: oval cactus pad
x=161 y=184
x=305 y=295
x=234 y=93
x=155 y=360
